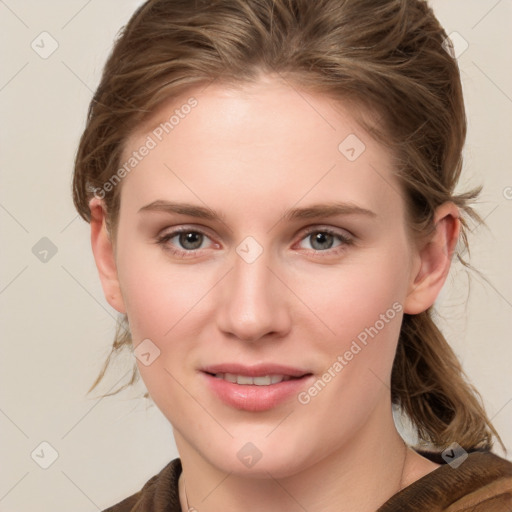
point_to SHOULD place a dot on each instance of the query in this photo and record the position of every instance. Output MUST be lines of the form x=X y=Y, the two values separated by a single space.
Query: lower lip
x=255 y=398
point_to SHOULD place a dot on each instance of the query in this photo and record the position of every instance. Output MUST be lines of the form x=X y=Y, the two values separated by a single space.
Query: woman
x=270 y=187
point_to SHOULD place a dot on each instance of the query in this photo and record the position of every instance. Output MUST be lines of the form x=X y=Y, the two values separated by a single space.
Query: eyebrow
x=326 y=210
x=181 y=209
x=311 y=212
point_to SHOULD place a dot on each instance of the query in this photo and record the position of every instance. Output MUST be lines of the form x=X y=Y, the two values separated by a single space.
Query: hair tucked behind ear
x=388 y=56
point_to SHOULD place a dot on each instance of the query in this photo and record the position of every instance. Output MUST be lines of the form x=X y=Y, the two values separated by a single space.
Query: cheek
x=362 y=304
x=353 y=298
x=156 y=293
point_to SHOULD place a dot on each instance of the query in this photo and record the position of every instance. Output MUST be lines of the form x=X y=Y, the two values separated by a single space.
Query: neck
x=360 y=476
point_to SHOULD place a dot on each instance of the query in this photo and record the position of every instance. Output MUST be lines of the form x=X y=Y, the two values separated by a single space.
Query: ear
x=103 y=250
x=434 y=260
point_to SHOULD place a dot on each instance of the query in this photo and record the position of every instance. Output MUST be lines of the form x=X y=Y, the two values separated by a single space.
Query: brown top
x=482 y=483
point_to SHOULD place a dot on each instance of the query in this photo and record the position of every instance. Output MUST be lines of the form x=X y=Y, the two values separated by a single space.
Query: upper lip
x=257 y=370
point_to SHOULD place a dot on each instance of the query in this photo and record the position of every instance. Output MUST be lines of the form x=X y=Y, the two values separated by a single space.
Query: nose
x=253 y=302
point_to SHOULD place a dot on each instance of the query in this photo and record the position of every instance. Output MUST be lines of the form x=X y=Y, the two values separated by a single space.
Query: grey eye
x=191 y=240
x=321 y=241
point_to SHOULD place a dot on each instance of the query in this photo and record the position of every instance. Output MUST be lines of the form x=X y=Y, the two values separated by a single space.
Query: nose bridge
x=254 y=303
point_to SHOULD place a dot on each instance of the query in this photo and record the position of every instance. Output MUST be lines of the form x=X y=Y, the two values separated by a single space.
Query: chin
x=260 y=458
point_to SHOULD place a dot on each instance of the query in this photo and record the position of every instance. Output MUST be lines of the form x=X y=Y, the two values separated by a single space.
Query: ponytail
x=429 y=385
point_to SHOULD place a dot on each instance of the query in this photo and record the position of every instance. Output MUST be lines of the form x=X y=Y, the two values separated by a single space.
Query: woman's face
x=293 y=263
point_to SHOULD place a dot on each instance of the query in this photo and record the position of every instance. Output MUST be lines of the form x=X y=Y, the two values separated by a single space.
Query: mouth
x=255 y=388
x=246 y=380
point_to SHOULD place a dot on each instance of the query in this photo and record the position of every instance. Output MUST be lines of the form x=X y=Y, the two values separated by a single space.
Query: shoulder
x=482 y=482
x=159 y=494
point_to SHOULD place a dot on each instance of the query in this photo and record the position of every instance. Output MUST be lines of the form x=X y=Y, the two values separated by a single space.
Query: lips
x=254 y=388
x=259 y=370
x=265 y=380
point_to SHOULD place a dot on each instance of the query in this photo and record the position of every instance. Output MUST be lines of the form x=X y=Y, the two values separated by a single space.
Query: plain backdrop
x=57 y=327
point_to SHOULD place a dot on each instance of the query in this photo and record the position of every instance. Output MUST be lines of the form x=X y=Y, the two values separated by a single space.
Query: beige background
x=57 y=327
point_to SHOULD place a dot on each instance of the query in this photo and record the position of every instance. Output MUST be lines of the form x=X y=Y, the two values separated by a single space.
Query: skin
x=251 y=153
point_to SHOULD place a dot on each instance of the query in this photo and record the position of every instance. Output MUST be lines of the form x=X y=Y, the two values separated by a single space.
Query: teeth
x=242 y=379
x=265 y=380
x=230 y=377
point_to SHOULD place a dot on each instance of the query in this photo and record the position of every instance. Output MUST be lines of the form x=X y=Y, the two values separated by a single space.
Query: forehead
x=255 y=140
x=253 y=112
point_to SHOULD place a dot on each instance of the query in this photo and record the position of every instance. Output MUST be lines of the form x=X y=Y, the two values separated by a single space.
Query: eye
x=324 y=239
x=184 y=241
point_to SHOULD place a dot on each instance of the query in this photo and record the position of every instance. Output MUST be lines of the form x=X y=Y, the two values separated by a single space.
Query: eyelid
x=169 y=233
x=319 y=228
x=344 y=236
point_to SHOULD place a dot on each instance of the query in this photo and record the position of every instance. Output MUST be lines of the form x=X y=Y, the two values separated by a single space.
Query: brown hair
x=388 y=55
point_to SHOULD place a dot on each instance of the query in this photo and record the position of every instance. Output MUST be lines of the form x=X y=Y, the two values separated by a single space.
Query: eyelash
x=345 y=241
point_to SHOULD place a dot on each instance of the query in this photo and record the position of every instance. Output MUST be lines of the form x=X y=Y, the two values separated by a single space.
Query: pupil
x=322 y=238
x=191 y=240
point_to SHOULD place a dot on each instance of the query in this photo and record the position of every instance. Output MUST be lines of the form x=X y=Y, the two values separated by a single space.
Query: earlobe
x=435 y=258
x=104 y=256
